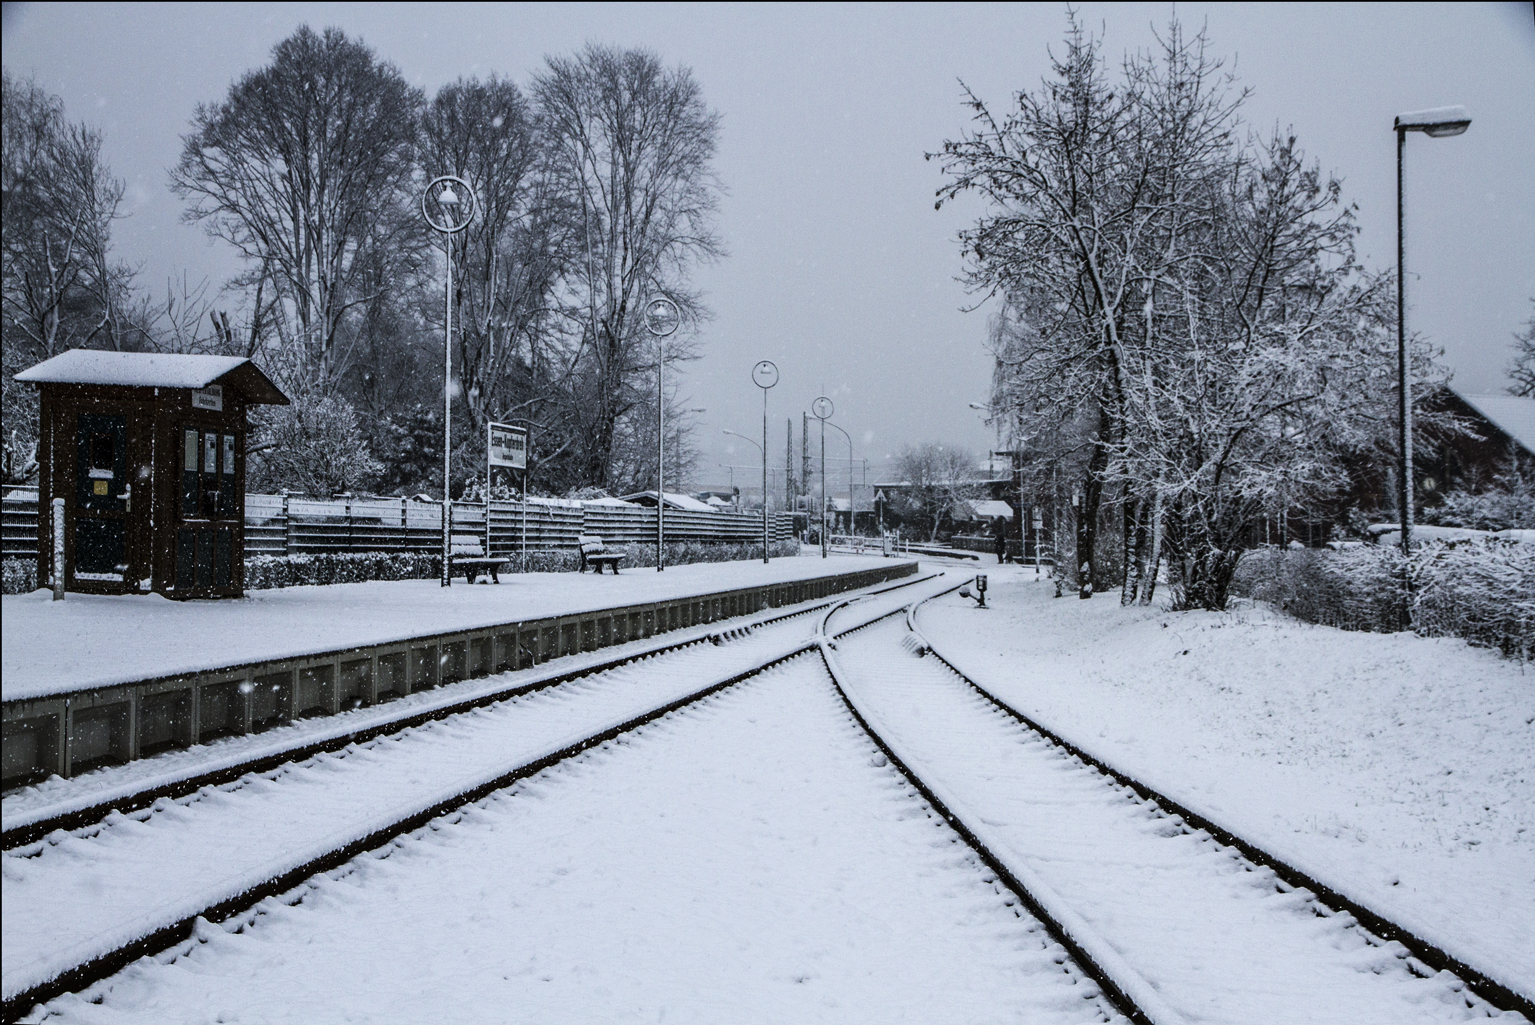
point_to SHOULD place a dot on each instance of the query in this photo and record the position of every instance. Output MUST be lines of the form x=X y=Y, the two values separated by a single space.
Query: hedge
x=1480 y=590
x=263 y=572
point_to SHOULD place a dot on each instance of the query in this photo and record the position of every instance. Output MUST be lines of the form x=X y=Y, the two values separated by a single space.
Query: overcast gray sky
x=840 y=270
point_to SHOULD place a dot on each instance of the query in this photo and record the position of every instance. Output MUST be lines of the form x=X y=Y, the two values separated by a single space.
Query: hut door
x=210 y=511
x=102 y=497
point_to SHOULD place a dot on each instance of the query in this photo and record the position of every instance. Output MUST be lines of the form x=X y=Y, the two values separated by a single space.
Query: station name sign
x=211 y=397
x=507 y=446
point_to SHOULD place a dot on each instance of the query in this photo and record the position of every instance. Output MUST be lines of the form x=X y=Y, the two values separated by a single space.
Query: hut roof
x=155 y=370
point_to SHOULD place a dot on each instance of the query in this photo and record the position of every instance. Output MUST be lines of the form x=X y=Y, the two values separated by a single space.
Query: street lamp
x=449 y=215
x=759 y=448
x=764 y=376
x=661 y=319
x=823 y=408
x=849 y=473
x=1436 y=123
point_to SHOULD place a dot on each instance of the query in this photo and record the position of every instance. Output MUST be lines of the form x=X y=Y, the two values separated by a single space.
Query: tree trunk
x=1087 y=519
x=1136 y=544
x=1156 y=549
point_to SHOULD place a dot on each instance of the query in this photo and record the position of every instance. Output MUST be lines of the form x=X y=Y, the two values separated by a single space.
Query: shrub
x=681 y=553
x=1480 y=590
x=269 y=571
x=18 y=576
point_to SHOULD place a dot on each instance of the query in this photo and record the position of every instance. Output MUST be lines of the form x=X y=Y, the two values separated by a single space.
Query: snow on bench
x=467 y=556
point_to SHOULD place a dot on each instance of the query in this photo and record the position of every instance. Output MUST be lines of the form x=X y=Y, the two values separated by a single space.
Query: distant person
x=999 y=535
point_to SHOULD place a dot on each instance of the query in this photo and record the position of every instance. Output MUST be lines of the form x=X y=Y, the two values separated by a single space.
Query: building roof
x=1514 y=415
x=992 y=509
x=155 y=370
x=673 y=501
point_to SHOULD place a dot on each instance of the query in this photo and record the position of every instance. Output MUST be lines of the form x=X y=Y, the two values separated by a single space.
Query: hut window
x=103 y=455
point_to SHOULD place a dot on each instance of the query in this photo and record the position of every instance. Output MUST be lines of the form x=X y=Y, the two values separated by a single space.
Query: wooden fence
x=293 y=525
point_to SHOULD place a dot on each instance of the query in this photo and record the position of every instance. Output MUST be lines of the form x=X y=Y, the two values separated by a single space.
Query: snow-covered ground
x=78 y=896
x=749 y=860
x=1397 y=768
x=47 y=647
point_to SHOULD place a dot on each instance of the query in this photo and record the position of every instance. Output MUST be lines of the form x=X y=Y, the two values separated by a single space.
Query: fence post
x=58 y=549
x=349 y=521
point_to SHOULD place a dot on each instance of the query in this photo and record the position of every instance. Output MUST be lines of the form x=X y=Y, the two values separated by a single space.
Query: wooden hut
x=147 y=450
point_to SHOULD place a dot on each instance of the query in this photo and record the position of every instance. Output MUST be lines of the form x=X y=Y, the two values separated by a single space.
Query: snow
x=1398 y=769
x=131 y=369
x=991 y=509
x=673 y=501
x=749 y=860
x=1196 y=936
x=49 y=647
x=1513 y=414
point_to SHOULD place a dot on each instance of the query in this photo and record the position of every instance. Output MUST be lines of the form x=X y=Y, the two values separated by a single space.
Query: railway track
x=1191 y=903
x=263 y=753
x=971 y=759
x=227 y=840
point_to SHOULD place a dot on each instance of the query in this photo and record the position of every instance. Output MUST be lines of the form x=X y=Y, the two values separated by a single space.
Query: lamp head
x=447 y=197
x=1436 y=122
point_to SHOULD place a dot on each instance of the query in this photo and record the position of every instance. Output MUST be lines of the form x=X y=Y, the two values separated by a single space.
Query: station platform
x=98 y=679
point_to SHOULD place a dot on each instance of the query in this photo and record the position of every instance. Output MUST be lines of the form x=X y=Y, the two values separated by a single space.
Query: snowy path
x=1220 y=940
x=744 y=860
x=75 y=897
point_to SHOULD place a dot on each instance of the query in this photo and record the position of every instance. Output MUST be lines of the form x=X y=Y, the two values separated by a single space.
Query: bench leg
x=493 y=575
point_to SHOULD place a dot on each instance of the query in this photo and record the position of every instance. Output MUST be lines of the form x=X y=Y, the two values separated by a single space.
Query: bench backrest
x=465 y=544
x=591 y=544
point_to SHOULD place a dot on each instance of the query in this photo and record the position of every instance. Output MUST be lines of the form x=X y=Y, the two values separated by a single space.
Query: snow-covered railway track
x=749 y=857
x=1184 y=920
x=80 y=907
x=264 y=753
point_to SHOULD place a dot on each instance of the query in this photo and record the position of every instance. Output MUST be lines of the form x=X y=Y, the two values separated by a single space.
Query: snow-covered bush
x=681 y=553
x=18 y=576
x=1481 y=590
x=268 y=571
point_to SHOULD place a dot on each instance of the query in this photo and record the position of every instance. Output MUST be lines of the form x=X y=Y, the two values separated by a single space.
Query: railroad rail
x=220 y=906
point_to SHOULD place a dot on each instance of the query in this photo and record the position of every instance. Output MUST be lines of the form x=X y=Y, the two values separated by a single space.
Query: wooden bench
x=467 y=557
x=595 y=555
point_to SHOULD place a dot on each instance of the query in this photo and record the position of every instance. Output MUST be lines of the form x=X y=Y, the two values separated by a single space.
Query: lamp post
x=661 y=319
x=765 y=376
x=449 y=215
x=849 y=474
x=823 y=408
x=1436 y=123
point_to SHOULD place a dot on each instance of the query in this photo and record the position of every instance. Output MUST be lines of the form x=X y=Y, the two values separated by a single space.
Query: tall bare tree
x=510 y=259
x=306 y=169
x=631 y=145
x=1522 y=370
x=934 y=479
x=61 y=287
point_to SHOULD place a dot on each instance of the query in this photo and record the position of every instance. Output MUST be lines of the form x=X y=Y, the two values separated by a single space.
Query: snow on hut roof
x=1512 y=414
x=154 y=370
x=992 y=509
x=673 y=501
x=609 y=501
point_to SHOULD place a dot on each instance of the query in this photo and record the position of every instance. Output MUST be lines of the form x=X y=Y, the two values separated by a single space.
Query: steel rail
x=109 y=963
x=1496 y=993
x=137 y=800
x=1089 y=961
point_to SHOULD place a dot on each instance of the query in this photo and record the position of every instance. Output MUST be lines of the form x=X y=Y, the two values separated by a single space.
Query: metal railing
x=296 y=525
